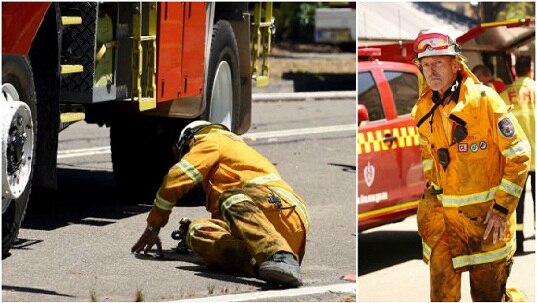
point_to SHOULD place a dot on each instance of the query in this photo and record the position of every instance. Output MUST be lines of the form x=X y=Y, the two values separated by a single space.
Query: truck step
x=71 y=20
x=71 y=68
x=72 y=117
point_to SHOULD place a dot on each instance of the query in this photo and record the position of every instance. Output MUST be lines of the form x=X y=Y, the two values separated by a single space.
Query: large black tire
x=17 y=71
x=223 y=50
x=142 y=154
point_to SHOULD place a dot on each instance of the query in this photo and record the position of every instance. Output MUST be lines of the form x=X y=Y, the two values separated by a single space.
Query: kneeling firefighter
x=475 y=160
x=258 y=223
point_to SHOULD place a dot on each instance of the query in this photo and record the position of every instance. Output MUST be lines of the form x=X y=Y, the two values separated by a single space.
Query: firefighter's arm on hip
x=516 y=150
x=495 y=223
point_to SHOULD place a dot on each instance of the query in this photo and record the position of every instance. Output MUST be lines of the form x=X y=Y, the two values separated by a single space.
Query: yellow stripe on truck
x=387 y=209
x=372 y=141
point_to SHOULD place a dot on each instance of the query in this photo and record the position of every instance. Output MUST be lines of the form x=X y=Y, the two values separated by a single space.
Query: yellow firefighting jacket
x=220 y=160
x=521 y=94
x=489 y=166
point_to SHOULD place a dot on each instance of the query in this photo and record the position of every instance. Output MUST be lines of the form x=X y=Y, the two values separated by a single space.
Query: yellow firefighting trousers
x=487 y=281
x=252 y=230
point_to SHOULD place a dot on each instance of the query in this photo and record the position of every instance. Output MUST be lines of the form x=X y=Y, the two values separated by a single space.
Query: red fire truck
x=390 y=178
x=143 y=68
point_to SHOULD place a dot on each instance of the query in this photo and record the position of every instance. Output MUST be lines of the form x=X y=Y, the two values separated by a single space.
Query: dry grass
x=283 y=61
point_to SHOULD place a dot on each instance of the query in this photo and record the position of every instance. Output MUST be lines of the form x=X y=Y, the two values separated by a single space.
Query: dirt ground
x=310 y=59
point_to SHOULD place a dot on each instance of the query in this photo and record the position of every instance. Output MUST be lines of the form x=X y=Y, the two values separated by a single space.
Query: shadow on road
x=304 y=82
x=345 y=167
x=34 y=290
x=382 y=249
x=89 y=197
x=83 y=197
x=199 y=267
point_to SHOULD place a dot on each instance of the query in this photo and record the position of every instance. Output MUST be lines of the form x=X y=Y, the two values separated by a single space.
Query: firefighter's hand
x=495 y=223
x=148 y=239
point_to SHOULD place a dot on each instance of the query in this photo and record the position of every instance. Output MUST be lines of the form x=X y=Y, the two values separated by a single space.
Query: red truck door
x=390 y=177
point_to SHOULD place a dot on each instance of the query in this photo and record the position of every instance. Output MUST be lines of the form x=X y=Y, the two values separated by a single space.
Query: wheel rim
x=222 y=95
x=17 y=135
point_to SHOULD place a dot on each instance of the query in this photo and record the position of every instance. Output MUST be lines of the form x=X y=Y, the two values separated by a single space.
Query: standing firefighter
x=475 y=160
x=258 y=223
x=521 y=95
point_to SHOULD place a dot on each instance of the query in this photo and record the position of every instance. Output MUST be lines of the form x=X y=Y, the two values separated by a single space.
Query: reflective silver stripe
x=511 y=188
x=522 y=147
x=427 y=164
x=195 y=227
x=190 y=171
x=463 y=200
x=232 y=200
x=422 y=142
x=525 y=112
x=486 y=257
x=520 y=227
x=264 y=179
x=426 y=251
x=163 y=203
x=299 y=206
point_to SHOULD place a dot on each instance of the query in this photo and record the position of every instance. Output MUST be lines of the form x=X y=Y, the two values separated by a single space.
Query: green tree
x=516 y=10
x=295 y=21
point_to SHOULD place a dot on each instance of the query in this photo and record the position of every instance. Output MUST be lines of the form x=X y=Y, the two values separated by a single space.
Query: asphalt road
x=75 y=242
x=390 y=268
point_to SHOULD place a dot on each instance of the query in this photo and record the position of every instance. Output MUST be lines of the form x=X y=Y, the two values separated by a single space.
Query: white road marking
x=346 y=288
x=300 y=131
x=72 y=153
x=82 y=152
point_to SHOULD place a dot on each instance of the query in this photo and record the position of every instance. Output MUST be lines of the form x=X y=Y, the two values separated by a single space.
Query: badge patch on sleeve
x=506 y=127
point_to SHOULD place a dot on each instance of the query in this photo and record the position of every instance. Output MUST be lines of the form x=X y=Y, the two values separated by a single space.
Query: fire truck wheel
x=223 y=88
x=18 y=144
x=142 y=154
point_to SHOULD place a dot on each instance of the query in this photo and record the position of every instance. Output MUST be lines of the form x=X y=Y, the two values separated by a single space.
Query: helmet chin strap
x=454 y=85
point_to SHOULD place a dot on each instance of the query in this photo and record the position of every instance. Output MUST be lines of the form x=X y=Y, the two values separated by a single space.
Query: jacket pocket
x=470 y=163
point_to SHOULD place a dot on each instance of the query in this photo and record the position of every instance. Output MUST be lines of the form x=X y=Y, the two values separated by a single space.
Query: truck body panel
x=20 y=22
x=180 y=61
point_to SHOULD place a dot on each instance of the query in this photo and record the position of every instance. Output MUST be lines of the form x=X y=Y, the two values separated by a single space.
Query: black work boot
x=282 y=268
x=180 y=235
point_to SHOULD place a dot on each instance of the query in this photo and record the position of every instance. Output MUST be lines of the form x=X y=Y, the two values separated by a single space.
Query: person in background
x=363 y=116
x=484 y=74
x=521 y=95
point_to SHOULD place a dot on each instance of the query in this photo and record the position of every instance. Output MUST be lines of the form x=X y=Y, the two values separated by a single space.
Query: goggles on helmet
x=435 y=44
